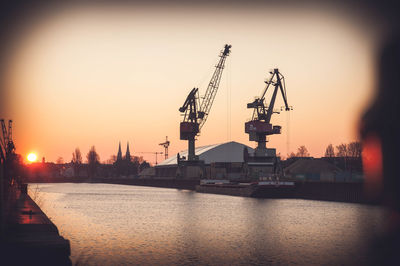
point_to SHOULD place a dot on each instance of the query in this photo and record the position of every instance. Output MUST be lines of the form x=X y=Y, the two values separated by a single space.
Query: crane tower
x=259 y=127
x=196 y=111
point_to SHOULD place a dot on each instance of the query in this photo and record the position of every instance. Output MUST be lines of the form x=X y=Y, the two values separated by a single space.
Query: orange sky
x=84 y=77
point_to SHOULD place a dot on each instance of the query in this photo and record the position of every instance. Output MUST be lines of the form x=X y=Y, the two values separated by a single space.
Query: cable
x=229 y=101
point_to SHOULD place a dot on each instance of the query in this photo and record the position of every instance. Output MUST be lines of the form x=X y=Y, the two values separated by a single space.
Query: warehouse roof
x=224 y=152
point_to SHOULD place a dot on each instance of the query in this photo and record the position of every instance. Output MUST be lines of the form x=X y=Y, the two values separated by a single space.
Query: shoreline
x=325 y=191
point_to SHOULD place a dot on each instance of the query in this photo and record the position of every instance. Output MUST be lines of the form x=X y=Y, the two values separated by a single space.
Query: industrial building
x=224 y=160
x=312 y=170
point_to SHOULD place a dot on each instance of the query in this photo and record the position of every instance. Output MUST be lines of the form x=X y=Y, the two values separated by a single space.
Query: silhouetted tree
x=329 y=152
x=341 y=150
x=291 y=155
x=302 y=152
x=76 y=161
x=77 y=156
x=93 y=161
x=112 y=159
x=354 y=149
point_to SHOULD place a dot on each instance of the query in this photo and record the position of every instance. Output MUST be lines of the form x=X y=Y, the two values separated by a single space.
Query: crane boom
x=212 y=88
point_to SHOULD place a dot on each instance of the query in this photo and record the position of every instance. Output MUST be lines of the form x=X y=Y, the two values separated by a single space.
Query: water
x=119 y=224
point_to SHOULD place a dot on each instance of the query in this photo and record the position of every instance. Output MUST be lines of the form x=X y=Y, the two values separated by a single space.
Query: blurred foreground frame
x=379 y=127
x=380 y=132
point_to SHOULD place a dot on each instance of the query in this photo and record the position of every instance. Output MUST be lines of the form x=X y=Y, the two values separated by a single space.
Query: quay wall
x=30 y=237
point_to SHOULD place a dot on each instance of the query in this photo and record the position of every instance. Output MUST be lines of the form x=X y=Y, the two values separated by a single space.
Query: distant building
x=221 y=161
x=119 y=154
x=312 y=170
x=128 y=154
x=123 y=165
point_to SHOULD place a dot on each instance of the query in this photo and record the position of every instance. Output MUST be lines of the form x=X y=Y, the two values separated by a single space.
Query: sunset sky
x=99 y=75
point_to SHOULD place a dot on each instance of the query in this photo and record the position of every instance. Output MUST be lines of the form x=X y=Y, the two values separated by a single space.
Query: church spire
x=119 y=155
x=128 y=154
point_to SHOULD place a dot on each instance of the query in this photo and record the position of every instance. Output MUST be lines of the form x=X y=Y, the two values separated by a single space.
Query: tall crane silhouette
x=264 y=163
x=196 y=112
x=260 y=125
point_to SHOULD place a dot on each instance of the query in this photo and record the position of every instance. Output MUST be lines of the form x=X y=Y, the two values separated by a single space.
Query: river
x=121 y=224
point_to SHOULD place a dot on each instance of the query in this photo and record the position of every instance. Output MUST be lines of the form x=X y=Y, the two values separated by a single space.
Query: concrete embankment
x=328 y=191
x=30 y=237
x=226 y=189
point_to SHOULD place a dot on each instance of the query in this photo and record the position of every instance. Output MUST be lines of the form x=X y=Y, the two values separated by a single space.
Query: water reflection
x=114 y=224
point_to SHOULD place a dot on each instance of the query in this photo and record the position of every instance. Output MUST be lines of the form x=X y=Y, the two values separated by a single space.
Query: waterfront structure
x=311 y=169
x=196 y=109
x=223 y=160
x=264 y=162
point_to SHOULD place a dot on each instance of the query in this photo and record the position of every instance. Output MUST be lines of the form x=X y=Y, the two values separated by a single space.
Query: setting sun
x=31 y=157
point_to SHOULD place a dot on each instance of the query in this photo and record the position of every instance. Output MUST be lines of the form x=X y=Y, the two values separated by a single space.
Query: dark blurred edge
x=381 y=119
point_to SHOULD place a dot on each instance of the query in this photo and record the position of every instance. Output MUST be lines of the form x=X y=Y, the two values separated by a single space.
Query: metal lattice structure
x=212 y=88
x=6 y=143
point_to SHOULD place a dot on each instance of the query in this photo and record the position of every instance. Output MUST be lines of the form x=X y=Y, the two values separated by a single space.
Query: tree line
x=352 y=149
x=128 y=166
x=349 y=150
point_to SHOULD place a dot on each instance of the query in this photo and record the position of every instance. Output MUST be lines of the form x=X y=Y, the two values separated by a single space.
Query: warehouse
x=224 y=160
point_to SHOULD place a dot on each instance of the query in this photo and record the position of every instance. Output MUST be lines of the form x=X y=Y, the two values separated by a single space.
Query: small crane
x=196 y=112
x=155 y=153
x=165 y=145
x=260 y=125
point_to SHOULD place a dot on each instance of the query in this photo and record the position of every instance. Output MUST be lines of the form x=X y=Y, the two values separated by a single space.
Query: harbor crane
x=196 y=111
x=165 y=145
x=260 y=125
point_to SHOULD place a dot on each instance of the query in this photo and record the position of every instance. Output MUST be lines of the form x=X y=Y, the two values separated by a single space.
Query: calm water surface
x=119 y=224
